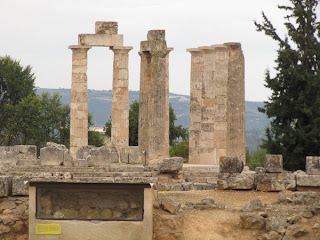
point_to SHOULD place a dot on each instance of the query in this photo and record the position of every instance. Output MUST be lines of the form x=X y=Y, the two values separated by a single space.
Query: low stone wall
x=14 y=215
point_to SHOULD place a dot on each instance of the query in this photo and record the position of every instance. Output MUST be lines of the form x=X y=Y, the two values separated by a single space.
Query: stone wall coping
x=116 y=180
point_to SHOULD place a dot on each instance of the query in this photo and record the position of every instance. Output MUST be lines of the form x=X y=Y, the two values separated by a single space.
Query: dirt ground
x=223 y=224
x=231 y=199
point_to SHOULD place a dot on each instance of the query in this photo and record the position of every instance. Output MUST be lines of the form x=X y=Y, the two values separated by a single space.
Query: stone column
x=79 y=99
x=236 y=102
x=154 y=97
x=208 y=104
x=120 y=97
x=144 y=102
x=220 y=109
x=195 y=104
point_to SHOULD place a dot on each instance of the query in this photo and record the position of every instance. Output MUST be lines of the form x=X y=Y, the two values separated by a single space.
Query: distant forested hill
x=100 y=107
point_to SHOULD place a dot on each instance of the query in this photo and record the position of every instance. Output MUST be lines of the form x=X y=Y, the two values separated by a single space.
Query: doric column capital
x=79 y=48
x=117 y=50
x=193 y=50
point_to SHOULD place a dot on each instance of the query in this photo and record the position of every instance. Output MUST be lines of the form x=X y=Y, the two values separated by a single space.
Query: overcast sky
x=38 y=33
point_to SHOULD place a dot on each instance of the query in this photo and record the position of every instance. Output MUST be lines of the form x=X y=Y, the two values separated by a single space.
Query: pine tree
x=294 y=105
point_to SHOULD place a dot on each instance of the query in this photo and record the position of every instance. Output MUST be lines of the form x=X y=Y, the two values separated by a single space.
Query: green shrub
x=256 y=158
x=180 y=149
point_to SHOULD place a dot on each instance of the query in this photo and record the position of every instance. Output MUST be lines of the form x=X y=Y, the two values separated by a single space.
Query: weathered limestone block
x=133 y=152
x=252 y=221
x=55 y=155
x=5 y=186
x=24 y=162
x=167 y=226
x=275 y=182
x=56 y=145
x=313 y=165
x=20 y=185
x=231 y=165
x=308 y=180
x=254 y=205
x=236 y=181
x=260 y=170
x=51 y=156
x=172 y=164
x=170 y=205
x=83 y=152
x=80 y=163
x=102 y=156
x=26 y=151
x=106 y=27
x=273 y=163
x=274 y=223
x=9 y=155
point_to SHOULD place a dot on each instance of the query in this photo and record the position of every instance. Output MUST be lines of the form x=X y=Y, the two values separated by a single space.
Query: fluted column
x=236 y=102
x=154 y=97
x=144 y=102
x=79 y=99
x=120 y=97
x=195 y=104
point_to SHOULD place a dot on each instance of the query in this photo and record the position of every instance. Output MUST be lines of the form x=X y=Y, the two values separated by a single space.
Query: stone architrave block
x=5 y=186
x=51 y=156
x=308 y=180
x=313 y=165
x=273 y=163
x=27 y=152
x=172 y=164
x=134 y=155
x=275 y=182
x=236 y=181
x=230 y=165
x=102 y=156
x=103 y=40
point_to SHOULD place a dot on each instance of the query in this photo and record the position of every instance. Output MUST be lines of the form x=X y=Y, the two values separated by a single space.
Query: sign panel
x=48 y=229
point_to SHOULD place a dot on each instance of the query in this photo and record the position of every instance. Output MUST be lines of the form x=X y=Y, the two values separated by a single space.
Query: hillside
x=100 y=106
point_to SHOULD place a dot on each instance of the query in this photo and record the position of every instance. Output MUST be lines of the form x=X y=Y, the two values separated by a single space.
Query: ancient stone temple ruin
x=217 y=103
x=106 y=35
x=154 y=96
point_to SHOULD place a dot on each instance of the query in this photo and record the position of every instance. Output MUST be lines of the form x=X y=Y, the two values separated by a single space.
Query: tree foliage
x=180 y=149
x=26 y=118
x=94 y=138
x=294 y=103
x=256 y=158
x=175 y=132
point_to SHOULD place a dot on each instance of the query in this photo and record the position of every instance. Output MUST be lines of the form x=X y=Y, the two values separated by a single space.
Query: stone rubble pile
x=286 y=219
